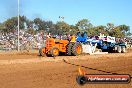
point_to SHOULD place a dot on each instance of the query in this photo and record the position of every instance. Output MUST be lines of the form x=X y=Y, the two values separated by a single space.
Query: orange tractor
x=54 y=47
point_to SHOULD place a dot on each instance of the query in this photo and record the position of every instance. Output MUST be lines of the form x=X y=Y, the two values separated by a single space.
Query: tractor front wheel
x=54 y=51
x=42 y=52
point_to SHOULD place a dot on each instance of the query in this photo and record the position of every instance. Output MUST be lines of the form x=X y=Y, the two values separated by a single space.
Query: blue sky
x=99 y=12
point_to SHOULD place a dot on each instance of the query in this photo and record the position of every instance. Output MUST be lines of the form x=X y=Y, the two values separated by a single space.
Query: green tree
x=120 y=31
x=49 y=26
x=73 y=29
x=23 y=20
x=84 y=24
x=62 y=27
x=110 y=26
x=97 y=30
x=11 y=24
x=124 y=28
x=2 y=26
x=39 y=23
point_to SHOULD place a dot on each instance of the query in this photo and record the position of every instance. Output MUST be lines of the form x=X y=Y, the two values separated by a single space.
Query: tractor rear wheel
x=42 y=52
x=54 y=51
x=77 y=49
x=69 y=48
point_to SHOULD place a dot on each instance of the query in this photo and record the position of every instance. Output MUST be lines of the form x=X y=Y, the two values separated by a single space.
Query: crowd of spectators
x=9 y=41
x=27 y=41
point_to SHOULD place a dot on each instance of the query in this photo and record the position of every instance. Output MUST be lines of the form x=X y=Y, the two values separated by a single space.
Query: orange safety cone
x=81 y=72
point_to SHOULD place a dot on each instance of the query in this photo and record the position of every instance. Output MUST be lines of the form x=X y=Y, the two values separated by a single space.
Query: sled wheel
x=123 y=49
x=119 y=49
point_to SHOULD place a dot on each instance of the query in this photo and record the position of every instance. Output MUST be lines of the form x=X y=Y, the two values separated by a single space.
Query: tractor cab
x=82 y=37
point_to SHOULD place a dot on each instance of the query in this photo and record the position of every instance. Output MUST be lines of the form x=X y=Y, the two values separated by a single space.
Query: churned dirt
x=28 y=70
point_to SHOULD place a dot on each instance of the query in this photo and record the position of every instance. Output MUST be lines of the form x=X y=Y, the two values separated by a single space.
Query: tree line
x=61 y=27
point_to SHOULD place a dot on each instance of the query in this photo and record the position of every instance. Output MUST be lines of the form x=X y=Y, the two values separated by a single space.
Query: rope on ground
x=89 y=67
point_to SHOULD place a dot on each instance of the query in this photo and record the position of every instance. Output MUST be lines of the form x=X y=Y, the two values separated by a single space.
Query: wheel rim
x=43 y=50
x=78 y=49
x=55 y=52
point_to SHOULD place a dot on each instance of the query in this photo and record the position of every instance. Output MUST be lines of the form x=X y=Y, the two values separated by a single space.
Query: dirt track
x=32 y=71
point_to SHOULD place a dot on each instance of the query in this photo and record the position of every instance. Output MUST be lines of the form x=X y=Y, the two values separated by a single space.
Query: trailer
x=110 y=44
